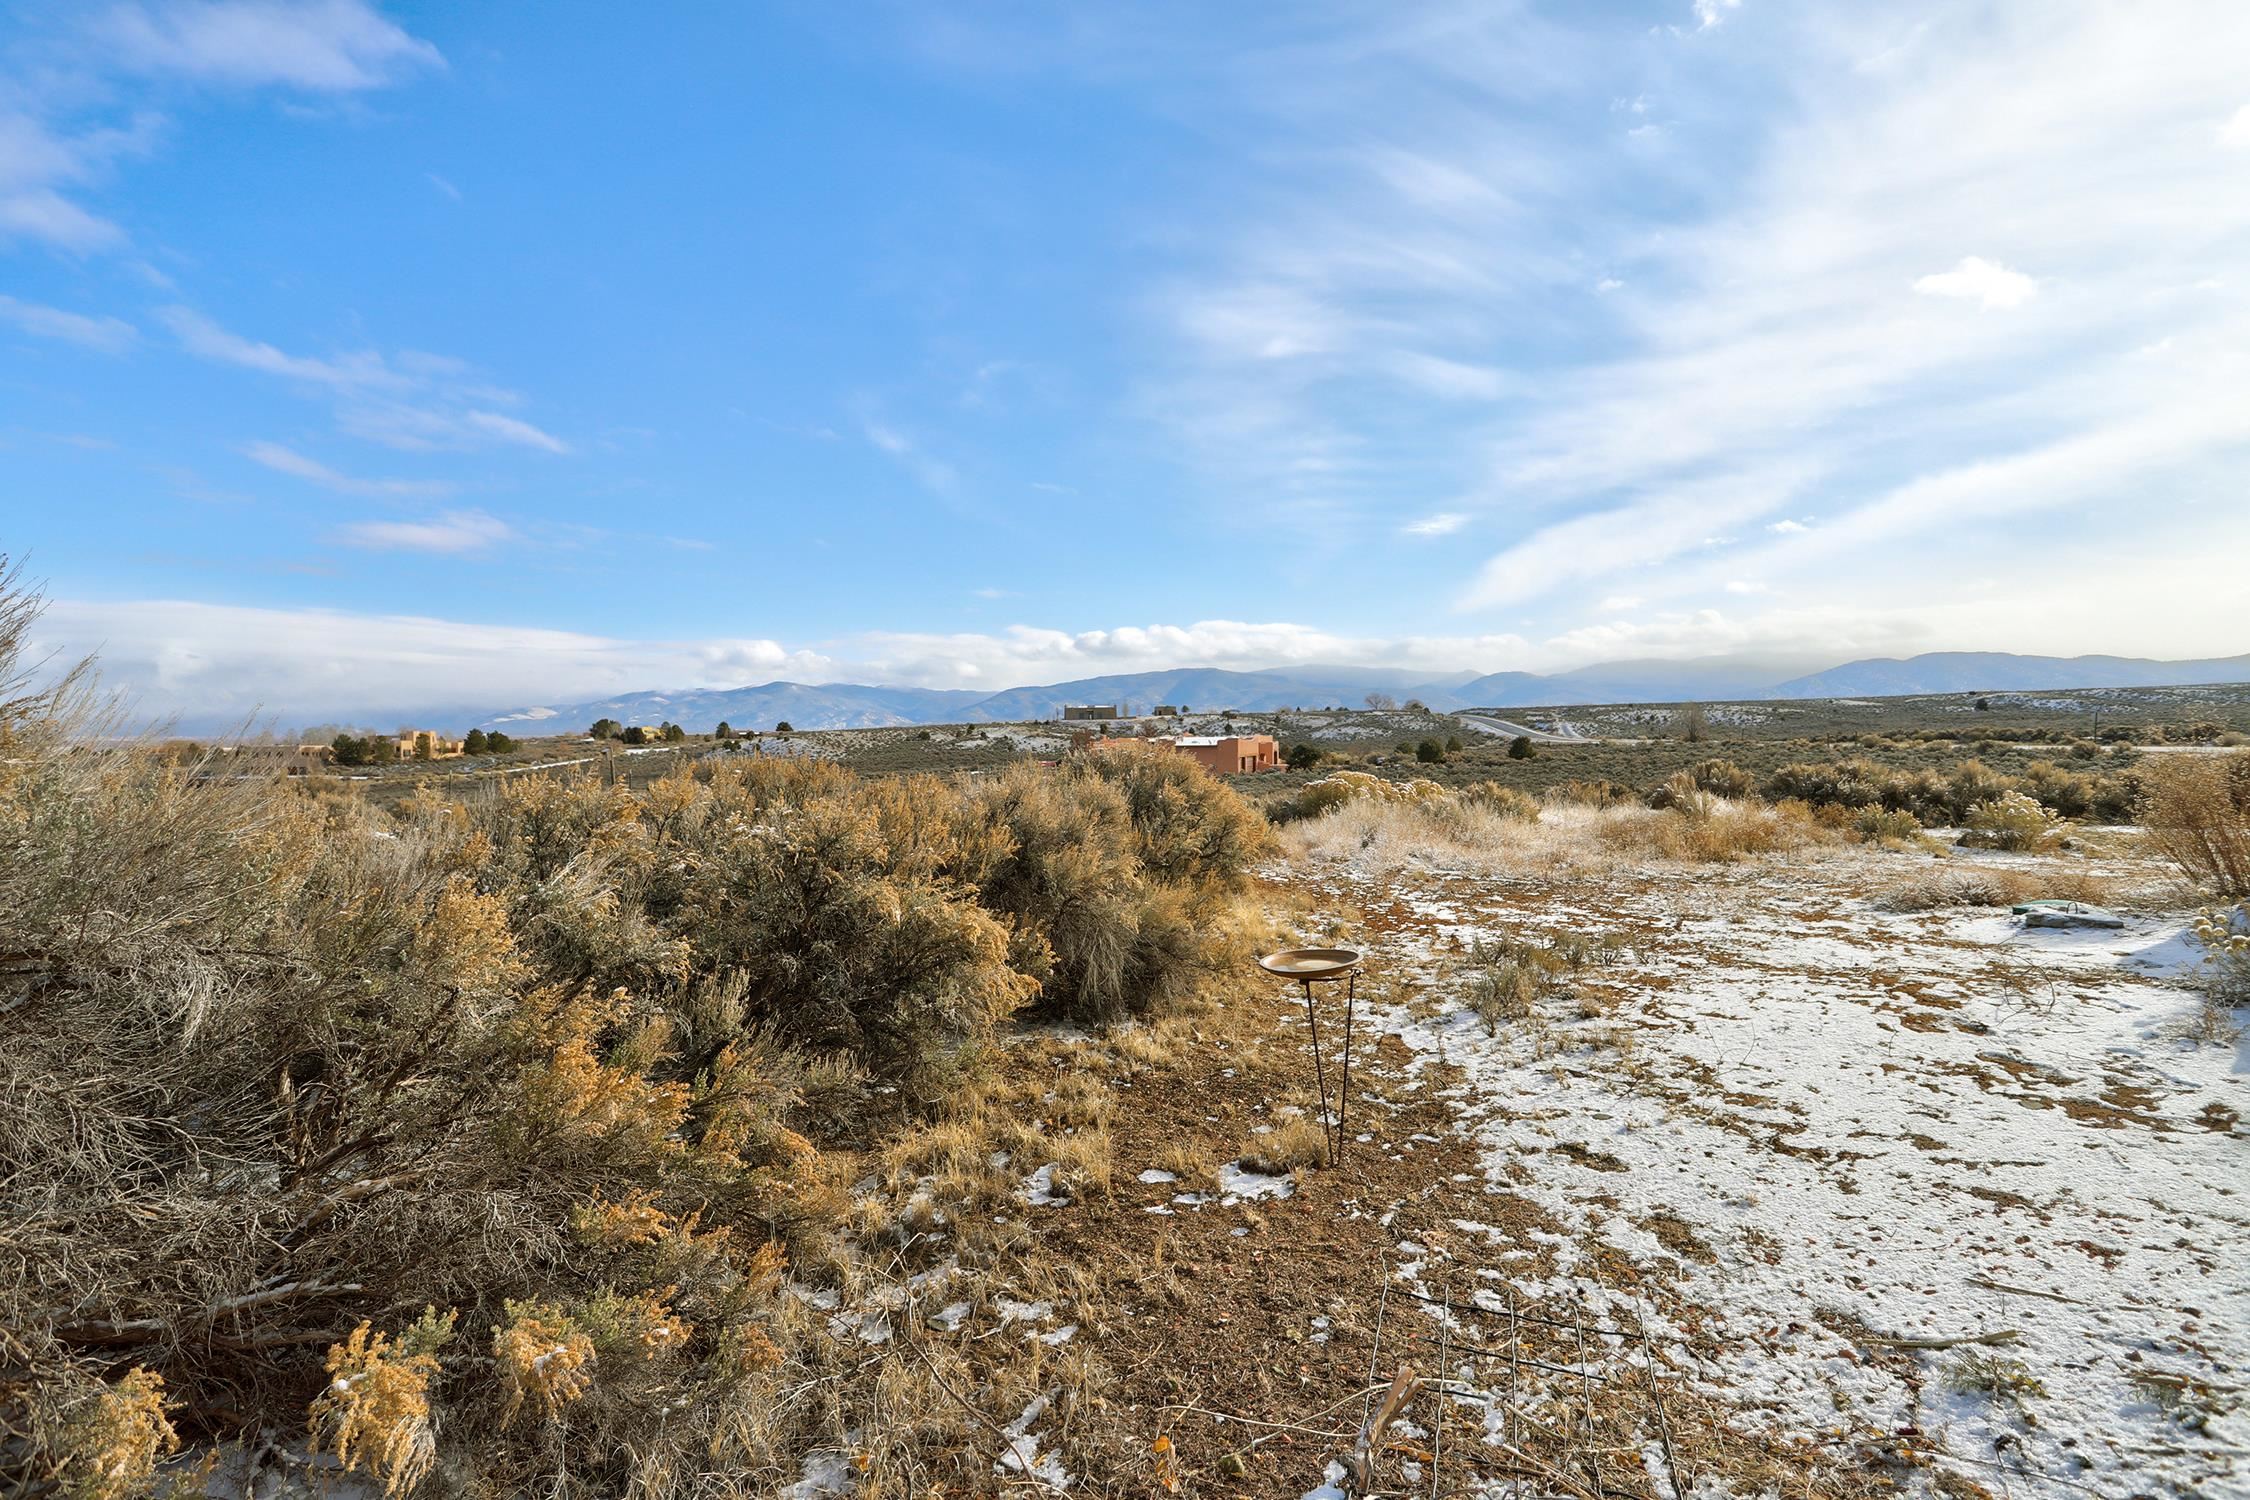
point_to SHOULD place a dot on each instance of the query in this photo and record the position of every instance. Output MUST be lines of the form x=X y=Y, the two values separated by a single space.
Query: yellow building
x=410 y=746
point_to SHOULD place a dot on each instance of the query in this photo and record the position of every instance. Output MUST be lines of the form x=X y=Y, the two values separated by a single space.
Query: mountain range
x=845 y=705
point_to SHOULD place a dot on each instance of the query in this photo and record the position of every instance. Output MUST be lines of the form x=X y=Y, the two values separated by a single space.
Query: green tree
x=606 y=729
x=670 y=733
x=500 y=744
x=476 y=742
x=1430 y=753
x=725 y=731
x=783 y=728
x=1519 y=748
x=425 y=745
x=1302 y=757
x=1453 y=744
x=634 y=735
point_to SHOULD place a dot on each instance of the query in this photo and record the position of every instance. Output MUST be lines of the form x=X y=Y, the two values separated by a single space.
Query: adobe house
x=1092 y=711
x=441 y=748
x=1231 y=754
x=1222 y=755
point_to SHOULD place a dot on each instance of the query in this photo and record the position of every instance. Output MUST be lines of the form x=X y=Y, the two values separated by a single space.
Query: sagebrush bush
x=1509 y=976
x=1508 y=801
x=1723 y=777
x=2198 y=815
x=467 y=1146
x=2012 y=821
x=1938 y=798
x=1877 y=825
x=1960 y=884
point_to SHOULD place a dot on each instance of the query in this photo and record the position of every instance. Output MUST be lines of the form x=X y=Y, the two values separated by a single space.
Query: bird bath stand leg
x=1320 y=1067
x=1344 y=1078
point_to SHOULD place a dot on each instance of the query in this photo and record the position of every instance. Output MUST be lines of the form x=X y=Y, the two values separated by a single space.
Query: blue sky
x=358 y=355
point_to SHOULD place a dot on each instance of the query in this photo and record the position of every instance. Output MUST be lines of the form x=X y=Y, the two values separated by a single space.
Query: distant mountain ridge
x=845 y=705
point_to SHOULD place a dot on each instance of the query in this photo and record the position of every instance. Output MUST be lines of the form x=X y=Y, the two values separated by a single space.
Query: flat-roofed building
x=1220 y=754
x=1093 y=711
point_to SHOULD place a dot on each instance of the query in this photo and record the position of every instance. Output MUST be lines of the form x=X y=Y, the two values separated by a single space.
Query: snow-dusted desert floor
x=1864 y=1136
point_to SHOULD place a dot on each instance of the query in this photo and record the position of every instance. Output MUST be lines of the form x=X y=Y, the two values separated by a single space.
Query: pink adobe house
x=1222 y=755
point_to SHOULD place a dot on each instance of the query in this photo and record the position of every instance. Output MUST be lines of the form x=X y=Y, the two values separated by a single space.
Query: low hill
x=846 y=705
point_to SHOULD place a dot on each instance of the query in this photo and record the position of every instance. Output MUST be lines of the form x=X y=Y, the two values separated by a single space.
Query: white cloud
x=1787 y=527
x=1650 y=528
x=38 y=162
x=288 y=461
x=1444 y=523
x=1744 y=586
x=513 y=430
x=443 y=185
x=46 y=166
x=453 y=533
x=1619 y=603
x=1452 y=378
x=1709 y=13
x=411 y=400
x=206 y=339
x=322 y=45
x=107 y=335
x=2236 y=132
x=1985 y=282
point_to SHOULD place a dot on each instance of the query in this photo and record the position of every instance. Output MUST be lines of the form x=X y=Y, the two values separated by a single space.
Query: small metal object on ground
x=1310 y=966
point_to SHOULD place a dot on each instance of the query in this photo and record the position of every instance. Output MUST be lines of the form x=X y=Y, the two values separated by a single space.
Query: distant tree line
x=350 y=749
x=666 y=733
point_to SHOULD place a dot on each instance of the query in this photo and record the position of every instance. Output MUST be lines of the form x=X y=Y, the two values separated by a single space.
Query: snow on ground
x=1880 y=1128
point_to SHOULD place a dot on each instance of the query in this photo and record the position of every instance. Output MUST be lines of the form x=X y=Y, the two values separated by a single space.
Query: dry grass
x=1570 y=837
x=2198 y=816
x=1294 y=1143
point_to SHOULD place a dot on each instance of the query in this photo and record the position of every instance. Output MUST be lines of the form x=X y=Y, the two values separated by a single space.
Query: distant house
x=1222 y=755
x=1167 y=711
x=411 y=746
x=1093 y=711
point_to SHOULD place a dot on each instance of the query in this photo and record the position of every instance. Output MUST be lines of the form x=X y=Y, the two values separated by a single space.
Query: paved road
x=1491 y=725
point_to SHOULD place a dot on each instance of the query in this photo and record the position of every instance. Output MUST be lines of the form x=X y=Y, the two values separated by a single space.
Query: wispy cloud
x=42 y=163
x=357 y=371
x=443 y=185
x=105 y=334
x=410 y=400
x=1444 y=523
x=454 y=533
x=284 y=460
x=50 y=162
x=933 y=474
x=319 y=45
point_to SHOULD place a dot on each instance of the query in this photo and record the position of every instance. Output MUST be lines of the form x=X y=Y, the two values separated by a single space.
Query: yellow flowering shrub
x=375 y=1413
x=546 y=1359
x=113 y=1447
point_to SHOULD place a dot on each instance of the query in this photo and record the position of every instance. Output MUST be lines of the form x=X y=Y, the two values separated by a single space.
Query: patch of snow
x=1238 y=1181
x=1023 y=1456
x=1038 y=1189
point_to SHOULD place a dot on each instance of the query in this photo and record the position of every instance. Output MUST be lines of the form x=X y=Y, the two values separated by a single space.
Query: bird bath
x=1310 y=966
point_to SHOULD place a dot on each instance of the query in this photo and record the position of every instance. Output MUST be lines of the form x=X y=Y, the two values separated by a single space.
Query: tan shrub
x=2198 y=816
x=2012 y=821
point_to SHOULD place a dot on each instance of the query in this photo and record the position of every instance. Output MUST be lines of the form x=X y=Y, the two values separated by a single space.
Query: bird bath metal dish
x=1311 y=963
x=1309 y=966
